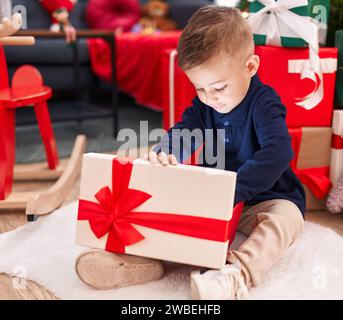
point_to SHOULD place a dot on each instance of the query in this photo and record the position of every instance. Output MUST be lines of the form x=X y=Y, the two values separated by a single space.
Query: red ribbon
x=316 y=179
x=113 y=214
x=337 y=141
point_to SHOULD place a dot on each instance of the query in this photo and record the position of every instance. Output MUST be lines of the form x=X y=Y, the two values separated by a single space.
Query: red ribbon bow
x=316 y=179
x=114 y=215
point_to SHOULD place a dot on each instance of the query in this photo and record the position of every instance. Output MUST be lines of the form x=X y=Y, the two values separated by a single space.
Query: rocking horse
x=27 y=90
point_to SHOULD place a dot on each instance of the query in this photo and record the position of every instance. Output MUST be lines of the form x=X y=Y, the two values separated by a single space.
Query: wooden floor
x=11 y=220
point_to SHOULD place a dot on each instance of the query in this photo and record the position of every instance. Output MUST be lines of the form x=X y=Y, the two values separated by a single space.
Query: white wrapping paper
x=181 y=189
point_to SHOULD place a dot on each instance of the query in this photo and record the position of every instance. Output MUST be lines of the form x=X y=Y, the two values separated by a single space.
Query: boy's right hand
x=161 y=158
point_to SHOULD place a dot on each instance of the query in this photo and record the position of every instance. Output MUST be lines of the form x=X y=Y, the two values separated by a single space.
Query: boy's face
x=223 y=84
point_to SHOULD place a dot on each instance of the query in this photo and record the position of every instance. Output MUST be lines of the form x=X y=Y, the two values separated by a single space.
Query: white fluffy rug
x=44 y=251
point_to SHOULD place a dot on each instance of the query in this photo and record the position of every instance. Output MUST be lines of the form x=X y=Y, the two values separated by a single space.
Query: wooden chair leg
x=7 y=151
x=3 y=162
x=47 y=201
x=47 y=134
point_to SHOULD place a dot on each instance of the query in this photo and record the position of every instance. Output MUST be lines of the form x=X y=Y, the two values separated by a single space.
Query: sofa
x=55 y=59
x=52 y=57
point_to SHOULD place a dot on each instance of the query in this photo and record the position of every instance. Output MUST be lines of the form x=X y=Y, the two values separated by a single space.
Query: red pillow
x=111 y=14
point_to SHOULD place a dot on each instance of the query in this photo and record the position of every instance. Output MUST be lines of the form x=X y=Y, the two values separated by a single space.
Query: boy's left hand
x=161 y=158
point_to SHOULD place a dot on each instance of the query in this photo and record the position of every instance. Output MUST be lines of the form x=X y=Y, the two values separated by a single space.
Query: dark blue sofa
x=55 y=59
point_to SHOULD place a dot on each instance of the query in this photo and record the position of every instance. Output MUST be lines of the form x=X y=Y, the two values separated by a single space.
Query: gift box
x=336 y=171
x=335 y=22
x=289 y=23
x=311 y=163
x=339 y=80
x=283 y=69
x=177 y=213
x=178 y=92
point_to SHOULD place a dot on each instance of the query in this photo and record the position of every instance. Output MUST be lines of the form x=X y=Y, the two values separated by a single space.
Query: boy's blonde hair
x=213 y=30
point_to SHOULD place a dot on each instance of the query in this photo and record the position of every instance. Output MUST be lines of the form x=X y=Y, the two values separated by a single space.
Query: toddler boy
x=216 y=51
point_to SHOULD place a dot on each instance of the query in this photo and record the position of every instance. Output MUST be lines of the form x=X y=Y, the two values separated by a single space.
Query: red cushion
x=111 y=14
x=53 y=5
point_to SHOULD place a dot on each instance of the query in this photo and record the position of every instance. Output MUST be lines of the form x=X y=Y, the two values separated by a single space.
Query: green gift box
x=335 y=22
x=339 y=76
x=339 y=45
x=314 y=10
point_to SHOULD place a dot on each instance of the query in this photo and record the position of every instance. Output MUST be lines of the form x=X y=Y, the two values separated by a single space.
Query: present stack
x=287 y=34
x=143 y=209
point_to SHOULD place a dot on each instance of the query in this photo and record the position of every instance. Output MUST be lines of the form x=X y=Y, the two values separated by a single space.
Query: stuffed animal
x=59 y=11
x=155 y=18
x=335 y=200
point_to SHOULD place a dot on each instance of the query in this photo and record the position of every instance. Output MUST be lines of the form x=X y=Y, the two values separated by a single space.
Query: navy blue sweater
x=257 y=145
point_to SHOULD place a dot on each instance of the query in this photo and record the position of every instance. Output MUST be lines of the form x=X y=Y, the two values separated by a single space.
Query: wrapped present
x=139 y=208
x=311 y=163
x=336 y=171
x=178 y=92
x=278 y=25
x=289 y=23
x=285 y=69
x=339 y=80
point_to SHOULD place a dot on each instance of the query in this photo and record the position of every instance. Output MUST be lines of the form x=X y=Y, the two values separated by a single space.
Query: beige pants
x=272 y=226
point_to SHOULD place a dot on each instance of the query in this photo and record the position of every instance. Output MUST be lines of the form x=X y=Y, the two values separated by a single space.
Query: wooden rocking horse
x=27 y=90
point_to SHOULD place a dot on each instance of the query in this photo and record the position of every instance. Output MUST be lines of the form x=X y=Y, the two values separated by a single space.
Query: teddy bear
x=59 y=11
x=155 y=18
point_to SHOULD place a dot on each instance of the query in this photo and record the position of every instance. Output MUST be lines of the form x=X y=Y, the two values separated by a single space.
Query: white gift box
x=177 y=190
x=336 y=170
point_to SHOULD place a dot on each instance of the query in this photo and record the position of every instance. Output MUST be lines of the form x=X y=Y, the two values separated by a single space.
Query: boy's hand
x=162 y=158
